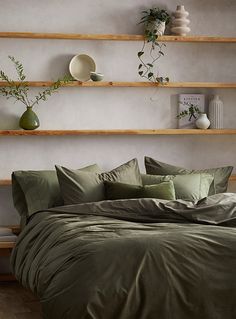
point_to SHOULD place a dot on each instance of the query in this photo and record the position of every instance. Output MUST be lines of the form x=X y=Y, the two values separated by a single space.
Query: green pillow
x=83 y=187
x=188 y=187
x=164 y=190
x=38 y=190
x=220 y=175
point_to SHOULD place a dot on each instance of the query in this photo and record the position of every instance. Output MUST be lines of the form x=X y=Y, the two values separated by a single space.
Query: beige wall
x=107 y=108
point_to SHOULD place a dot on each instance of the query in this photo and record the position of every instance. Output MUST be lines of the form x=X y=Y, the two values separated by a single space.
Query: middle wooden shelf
x=222 y=85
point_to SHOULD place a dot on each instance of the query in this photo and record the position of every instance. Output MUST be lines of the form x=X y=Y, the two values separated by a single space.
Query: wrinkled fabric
x=132 y=259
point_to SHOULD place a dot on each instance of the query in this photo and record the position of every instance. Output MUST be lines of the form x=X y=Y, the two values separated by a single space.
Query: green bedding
x=132 y=259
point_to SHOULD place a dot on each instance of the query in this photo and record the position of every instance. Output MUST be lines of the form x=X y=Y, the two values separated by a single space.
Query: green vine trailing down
x=146 y=69
x=20 y=90
x=192 y=111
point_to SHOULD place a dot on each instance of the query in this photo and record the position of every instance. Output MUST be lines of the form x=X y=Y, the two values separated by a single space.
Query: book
x=185 y=100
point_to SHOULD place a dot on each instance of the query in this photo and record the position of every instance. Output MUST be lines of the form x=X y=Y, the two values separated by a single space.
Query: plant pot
x=29 y=120
x=202 y=122
x=156 y=27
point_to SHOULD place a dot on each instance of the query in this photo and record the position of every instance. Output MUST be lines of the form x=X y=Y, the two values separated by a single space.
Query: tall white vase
x=180 y=22
x=216 y=116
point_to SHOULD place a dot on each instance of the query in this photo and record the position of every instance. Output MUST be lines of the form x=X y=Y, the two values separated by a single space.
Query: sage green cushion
x=220 y=174
x=164 y=190
x=83 y=187
x=190 y=187
x=38 y=190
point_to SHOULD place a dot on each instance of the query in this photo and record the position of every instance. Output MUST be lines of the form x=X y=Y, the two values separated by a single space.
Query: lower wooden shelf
x=119 y=132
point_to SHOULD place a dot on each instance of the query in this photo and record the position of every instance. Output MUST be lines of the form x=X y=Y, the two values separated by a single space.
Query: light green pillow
x=164 y=190
x=190 y=187
x=83 y=187
x=38 y=190
x=220 y=174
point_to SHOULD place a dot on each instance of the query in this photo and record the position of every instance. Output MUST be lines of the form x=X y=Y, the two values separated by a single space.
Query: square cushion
x=220 y=174
x=190 y=187
x=37 y=190
x=82 y=187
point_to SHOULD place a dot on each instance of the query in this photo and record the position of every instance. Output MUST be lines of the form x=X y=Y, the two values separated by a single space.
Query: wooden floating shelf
x=118 y=132
x=220 y=85
x=7 y=244
x=115 y=37
x=16 y=228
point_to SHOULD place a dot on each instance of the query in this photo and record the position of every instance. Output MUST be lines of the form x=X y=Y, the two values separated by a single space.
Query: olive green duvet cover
x=132 y=259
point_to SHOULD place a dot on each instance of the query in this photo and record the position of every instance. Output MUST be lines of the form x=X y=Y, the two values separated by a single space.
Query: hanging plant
x=155 y=21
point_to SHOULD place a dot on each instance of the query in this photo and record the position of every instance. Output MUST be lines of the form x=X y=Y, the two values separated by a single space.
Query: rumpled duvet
x=132 y=259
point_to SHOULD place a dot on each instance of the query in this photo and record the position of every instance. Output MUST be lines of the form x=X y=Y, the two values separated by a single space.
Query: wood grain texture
x=6 y=245
x=103 y=84
x=116 y=37
x=17 y=302
x=117 y=132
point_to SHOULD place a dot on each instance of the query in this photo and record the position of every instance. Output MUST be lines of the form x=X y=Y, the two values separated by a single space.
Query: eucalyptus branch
x=49 y=91
x=20 y=90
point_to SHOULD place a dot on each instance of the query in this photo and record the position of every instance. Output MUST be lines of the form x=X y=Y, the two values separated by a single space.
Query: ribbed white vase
x=216 y=116
x=180 y=22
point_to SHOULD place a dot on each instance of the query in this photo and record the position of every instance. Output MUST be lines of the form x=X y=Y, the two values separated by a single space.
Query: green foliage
x=192 y=111
x=155 y=49
x=155 y=14
x=20 y=90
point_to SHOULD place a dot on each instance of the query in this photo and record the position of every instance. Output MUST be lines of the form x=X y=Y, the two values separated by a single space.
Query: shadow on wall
x=8 y=119
x=59 y=64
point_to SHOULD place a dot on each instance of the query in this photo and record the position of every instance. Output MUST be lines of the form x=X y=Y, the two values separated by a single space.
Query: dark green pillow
x=38 y=190
x=164 y=190
x=188 y=187
x=83 y=187
x=220 y=174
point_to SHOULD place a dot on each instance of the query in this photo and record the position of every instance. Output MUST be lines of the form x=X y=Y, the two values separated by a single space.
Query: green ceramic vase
x=29 y=120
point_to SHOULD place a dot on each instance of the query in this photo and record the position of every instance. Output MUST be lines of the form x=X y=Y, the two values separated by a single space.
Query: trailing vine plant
x=155 y=49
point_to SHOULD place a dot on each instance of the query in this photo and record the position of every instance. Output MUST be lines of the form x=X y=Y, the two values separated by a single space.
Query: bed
x=141 y=258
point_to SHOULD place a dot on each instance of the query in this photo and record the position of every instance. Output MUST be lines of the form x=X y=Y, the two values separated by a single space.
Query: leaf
x=140 y=53
x=140 y=73
x=149 y=64
x=160 y=52
x=150 y=74
x=140 y=66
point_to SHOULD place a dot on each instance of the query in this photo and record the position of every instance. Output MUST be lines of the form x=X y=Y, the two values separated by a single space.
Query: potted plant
x=19 y=90
x=155 y=21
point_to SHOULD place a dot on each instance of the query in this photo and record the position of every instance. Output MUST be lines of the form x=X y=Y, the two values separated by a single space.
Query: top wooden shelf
x=115 y=37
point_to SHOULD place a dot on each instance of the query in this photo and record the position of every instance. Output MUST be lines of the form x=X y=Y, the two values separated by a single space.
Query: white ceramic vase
x=180 y=22
x=215 y=110
x=157 y=26
x=202 y=122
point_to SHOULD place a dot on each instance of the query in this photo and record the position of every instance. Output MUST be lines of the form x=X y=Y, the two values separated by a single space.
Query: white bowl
x=80 y=67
